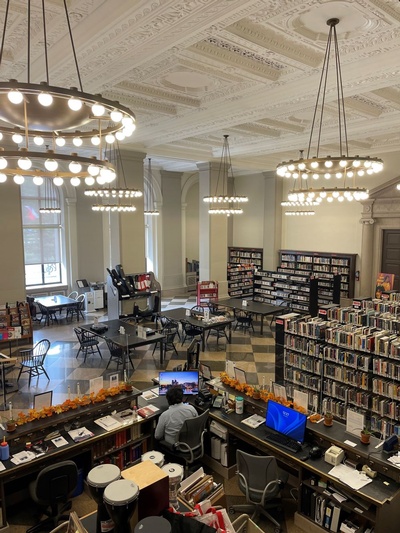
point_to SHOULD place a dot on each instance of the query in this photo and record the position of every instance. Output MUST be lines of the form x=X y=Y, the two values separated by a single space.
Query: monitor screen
x=286 y=421
x=188 y=380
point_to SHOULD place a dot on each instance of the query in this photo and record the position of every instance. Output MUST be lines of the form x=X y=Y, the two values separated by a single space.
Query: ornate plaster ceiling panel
x=194 y=70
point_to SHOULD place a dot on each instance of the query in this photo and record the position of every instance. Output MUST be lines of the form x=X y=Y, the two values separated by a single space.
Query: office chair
x=88 y=343
x=189 y=446
x=117 y=354
x=51 y=490
x=32 y=360
x=261 y=481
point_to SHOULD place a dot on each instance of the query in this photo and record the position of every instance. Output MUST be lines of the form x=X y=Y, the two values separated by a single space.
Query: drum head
x=121 y=492
x=102 y=475
x=174 y=471
x=154 y=456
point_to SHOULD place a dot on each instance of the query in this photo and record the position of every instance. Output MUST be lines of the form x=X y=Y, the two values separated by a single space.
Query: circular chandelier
x=115 y=194
x=300 y=213
x=221 y=204
x=329 y=194
x=35 y=115
x=340 y=166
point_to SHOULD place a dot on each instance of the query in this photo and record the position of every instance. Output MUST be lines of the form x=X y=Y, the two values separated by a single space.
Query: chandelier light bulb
x=18 y=179
x=60 y=141
x=329 y=199
x=398 y=186
x=127 y=122
x=3 y=163
x=356 y=163
x=24 y=163
x=328 y=163
x=15 y=96
x=58 y=181
x=295 y=175
x=360 y=172
x=89 y=181
x=314 y=164
x=17 y=138
x=75 y=182
x=120 y=135
x=38 y=180
x=101 y=180
x=77 y=141
x=3 y=177
x=304 y=175
x=74 y=104
x=301 y=166
x=45 y=99
x=93 y=170
x=51 y=165
x=339 y=175
x=350 y=174
x=110 y=138
x=38 y=140
x=327 y=176
x=116 y=116
x=75 y=167
x=98 y=110
x=96 y=140
x=342 y=163
x=128 y=131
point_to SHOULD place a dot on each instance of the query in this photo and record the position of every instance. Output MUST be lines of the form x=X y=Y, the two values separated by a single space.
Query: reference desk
x=129 y=339
x=254 y=308
x=381 y=498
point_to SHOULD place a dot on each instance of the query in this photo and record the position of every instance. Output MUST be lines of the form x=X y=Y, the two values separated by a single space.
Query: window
x=42 y=237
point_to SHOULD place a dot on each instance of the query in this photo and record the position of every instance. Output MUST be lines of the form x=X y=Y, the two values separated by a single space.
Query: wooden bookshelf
x=242 y=263
x=15 y=322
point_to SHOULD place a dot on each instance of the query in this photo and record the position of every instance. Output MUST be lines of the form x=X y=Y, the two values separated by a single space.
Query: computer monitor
x=286 y=421
x=188 y=380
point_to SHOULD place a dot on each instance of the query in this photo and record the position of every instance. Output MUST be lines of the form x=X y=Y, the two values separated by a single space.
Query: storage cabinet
x=323 y=266
x=242 y=263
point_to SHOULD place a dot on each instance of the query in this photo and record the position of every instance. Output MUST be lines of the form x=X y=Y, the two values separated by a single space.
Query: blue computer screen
x=189 y=381
x=286 y=421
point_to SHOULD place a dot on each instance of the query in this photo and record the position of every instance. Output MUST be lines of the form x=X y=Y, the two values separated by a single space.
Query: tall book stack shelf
x=323 y=266
x=348 y=360
x=242 y=263
x=15 y=322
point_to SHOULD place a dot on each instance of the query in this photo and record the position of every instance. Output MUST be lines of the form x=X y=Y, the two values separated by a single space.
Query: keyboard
x=283 y=442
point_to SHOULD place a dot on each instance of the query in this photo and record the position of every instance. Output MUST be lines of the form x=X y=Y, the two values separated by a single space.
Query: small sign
x=206 y=314
x=244 y=303
x=187 y=312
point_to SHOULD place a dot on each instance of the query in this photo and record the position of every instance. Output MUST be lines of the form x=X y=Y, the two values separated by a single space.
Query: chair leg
x=98 y=349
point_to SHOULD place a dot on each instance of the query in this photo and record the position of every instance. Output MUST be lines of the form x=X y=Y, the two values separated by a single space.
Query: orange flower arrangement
x=265 y=395
x=69 y=404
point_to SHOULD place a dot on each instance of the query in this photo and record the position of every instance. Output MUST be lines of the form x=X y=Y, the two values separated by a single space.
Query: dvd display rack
x=242 y=263
x=323 y=266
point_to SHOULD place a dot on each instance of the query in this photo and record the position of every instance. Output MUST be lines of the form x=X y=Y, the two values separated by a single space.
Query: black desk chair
x=261 y=482
x=117 y=354
x=49 y=315
x=170 y=331
x=32 y=360
x=88 y=343
x=244 y=320
x=51 y=490
x=189 y=446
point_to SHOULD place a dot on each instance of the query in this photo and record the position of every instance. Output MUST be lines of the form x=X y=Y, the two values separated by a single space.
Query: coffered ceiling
x=194 y=70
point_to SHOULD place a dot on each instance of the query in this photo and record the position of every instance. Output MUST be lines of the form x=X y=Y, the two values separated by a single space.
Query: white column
x=367 y=249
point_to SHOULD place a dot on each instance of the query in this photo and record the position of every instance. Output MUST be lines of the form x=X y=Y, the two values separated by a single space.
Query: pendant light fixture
x=149 y=203
x=222 y=203
x=341 y=166
x=35 y=114
x=51 y=198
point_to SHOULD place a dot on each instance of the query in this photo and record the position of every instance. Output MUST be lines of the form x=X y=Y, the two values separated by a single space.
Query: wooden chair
x=88 y=343
x=170 y=331
x=117 y=354
x=32 y=360
x=49 y=315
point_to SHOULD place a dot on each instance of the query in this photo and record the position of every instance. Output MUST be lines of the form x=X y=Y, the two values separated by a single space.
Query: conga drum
x=120 y=498
x=156 y=457
x=153 y=524
x=97 y=479
x=175 y=474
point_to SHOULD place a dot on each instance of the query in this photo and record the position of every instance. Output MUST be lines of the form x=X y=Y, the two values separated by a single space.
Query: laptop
x=285 y=427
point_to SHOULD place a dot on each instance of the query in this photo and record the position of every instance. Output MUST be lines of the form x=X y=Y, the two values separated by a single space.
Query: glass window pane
x=32 y=246
x=33 y=275
x=30 y=211
x=50 y=245
x=52 y=273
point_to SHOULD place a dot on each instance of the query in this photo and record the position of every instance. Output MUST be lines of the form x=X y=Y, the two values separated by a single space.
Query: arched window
x=42 y=237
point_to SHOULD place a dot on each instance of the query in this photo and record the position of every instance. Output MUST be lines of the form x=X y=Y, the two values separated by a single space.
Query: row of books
x=127 y=456
x=309 y=364
x=301 y=378
x=303 y=345
x=118 y=440
x=347 y=376
x=204 y=488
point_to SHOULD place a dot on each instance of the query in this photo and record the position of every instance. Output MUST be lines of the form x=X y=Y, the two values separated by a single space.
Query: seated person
x=171 y=420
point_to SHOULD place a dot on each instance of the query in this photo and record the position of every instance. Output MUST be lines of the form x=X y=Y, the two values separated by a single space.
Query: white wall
x=248 y=228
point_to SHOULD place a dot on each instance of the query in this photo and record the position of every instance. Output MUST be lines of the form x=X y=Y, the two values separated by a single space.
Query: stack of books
x=198 y=487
